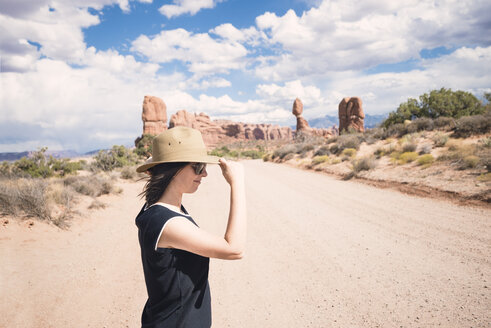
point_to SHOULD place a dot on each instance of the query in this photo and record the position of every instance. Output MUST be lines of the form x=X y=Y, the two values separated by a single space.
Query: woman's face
x=187 y=181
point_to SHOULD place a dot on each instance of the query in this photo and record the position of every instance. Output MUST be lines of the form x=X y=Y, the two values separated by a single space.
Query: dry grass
x=94 y=185
x=364 y=164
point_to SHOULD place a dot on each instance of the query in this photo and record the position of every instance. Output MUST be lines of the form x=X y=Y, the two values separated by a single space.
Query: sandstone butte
x=217 y=132
x=351 y=114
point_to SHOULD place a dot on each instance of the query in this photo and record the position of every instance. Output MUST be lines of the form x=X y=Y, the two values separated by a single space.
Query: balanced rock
x=297 y=107
x=351 y=114
x=154 y=115
x=302 y=124
x=297 y=110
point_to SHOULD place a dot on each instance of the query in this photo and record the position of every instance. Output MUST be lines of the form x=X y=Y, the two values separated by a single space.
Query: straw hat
x=179 y=144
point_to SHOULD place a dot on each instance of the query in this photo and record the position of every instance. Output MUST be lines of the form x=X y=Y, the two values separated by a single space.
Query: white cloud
x=191 y=7
x=203 y=54
x=342 y=35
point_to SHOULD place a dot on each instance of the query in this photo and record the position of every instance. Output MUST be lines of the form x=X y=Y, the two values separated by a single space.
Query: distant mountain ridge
x=13 y=156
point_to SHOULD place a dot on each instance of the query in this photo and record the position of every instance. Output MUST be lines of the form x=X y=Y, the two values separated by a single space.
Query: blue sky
x=74 y=72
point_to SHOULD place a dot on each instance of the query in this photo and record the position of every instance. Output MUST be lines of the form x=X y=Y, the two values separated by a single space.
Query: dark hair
x=158 y=181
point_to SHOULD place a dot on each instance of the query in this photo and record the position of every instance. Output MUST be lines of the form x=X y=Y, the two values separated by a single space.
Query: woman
x=175 y=251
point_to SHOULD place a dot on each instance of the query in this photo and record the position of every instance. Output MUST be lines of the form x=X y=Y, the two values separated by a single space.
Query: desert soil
x=321 y=253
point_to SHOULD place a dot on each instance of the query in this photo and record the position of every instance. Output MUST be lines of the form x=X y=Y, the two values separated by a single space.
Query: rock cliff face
x=302 y=124
x=154 y=115
x=222 y=131
x=351 y=114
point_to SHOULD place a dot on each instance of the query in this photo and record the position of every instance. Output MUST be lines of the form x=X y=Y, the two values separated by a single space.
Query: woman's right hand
x=233 y=172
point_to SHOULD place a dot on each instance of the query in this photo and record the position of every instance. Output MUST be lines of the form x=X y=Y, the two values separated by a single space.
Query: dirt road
x=321 y=253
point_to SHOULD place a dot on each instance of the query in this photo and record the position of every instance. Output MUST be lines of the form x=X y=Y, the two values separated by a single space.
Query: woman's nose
x=204 y=173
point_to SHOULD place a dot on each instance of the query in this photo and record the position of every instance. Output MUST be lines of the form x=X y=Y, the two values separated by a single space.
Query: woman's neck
x=171 y=197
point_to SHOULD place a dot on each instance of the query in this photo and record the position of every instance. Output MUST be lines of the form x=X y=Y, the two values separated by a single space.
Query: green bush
x=220 y=152
x=437 y=103
x=39 y=165
x=426 y=159
x=252 y=153
x=143 y=145
x=117 y=156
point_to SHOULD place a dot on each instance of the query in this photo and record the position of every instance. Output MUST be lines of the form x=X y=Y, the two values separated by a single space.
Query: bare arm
x=182 y=234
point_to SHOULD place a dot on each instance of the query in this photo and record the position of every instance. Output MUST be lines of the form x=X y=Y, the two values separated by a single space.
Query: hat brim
x=202 y=159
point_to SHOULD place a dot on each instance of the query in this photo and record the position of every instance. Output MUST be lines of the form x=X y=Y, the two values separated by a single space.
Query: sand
x=321 y=253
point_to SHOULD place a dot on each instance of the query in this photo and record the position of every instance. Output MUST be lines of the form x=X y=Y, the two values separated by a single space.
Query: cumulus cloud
x=191 y=7
x=353 y=35
x=202 y=54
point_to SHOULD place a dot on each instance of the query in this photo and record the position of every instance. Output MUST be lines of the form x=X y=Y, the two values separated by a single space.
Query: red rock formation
x=224 y=131
x=302 y=124
x=154 y=115
x=351 y=114
x=297 y=110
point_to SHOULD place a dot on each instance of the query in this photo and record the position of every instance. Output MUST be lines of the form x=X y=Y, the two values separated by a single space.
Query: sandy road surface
x=321 y=253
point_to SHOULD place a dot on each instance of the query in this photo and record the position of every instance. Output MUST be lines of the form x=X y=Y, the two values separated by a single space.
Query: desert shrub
x=395 y=130
x=331 y=140
x=364 y=164
x=320 y=159
x=486 y=142
x=335 y=161
x=437 y=103
x=128 y=173
x=220 y=152
x=420 y=124
x=267 y=157
x=306 y=138
x=24 y=195
x=444 y=123
x=288 y=156
x=323 y=150
x=407 y=157
x=345 y=141
x=409 y=147
x=350 y=152
x=287 y=149
x=97 y=204
x=439 y=139
x=471 y=125
x=374 y=134
x=93 y=185
x=117 y=156
x=379 y=152
x=470 y=162
x=425 y=159
x=252 y=153
x=143 y=145
x=425 y=149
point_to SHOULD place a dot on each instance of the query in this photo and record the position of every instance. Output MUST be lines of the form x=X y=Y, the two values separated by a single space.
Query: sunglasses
x=198 y=167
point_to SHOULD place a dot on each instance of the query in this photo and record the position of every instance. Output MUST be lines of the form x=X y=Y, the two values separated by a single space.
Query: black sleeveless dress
x=176 y=280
